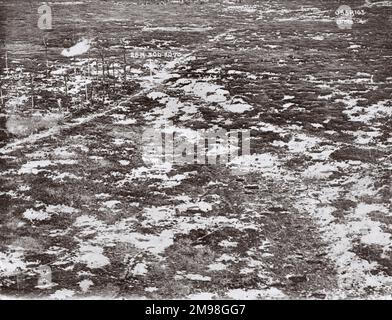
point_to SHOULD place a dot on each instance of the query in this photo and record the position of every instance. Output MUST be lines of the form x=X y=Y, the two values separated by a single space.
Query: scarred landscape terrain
x=86 y=212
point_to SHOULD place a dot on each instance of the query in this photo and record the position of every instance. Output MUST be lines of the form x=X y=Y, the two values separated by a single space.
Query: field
x=86 y=213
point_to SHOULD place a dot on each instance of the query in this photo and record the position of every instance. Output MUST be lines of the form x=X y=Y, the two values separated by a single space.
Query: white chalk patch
x=62 y=294
x=228 y=244
x=34 y=215
x=201 y=296
x=197 y=277
x=92 y=256
x=11 y=263
x=78 y=49
x=85 y=285
x=140 y=269
x=253 y=294
x=217 y=267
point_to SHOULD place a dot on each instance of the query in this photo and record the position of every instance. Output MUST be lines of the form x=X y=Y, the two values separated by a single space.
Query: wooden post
x=32 y=90
x=66 y=84
x=92 y=94
x=46 y=55
x=73 y=33
x=20 y=280
x=1 y=96
x=88 y=65
x=150 y=70
x=88 y=74
x=66 y=88
x=101 y=53
x=125 y=63
x=6 y=62
x=103 y=68
x=97 y=70
x=60 y=105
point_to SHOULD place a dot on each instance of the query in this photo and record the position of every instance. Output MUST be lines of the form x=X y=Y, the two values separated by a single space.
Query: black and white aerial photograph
x=196 y=150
